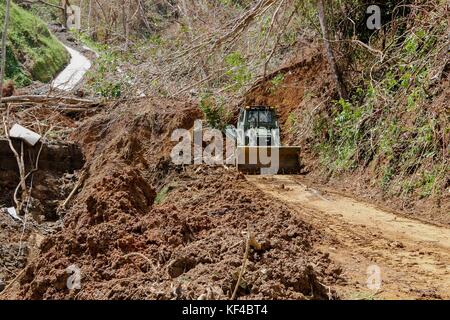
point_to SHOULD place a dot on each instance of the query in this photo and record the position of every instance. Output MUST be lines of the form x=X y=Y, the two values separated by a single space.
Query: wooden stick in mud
x=12 y=282
x=244 y=263
x=78 y=184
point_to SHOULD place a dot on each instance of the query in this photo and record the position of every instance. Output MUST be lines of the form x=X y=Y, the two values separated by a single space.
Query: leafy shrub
x=214 y=111
x=238 y=71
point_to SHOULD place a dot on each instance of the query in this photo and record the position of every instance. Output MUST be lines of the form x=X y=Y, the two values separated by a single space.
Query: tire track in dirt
x=413 y=256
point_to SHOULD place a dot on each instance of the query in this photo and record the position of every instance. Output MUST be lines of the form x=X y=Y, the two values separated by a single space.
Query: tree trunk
x=4 y=38
x=89 y=18
x=330 y=55
x=64 y=13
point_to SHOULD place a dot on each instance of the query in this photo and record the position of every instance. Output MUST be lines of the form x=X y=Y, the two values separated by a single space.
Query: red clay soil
x=305 y=83
x=190 y=243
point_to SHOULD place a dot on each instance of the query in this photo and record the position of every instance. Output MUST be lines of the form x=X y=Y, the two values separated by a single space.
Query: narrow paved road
x=413 y=257
x=74 y=71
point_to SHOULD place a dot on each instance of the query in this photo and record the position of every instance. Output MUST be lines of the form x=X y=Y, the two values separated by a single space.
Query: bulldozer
x=258 y=143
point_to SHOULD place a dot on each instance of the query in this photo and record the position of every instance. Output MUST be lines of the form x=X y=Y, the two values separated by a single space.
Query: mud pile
x=142 y=228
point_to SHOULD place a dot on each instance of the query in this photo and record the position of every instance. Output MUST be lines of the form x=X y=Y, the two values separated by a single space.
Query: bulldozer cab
x=258 y=117
x=258 y=125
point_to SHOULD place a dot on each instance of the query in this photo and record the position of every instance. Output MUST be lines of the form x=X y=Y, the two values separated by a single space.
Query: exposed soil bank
x=50 y=185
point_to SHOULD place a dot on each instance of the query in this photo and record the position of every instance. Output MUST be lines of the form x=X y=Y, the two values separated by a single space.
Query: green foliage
x=428 y=181
x=100 y=79
x=32 y=52
x=340 y=147
x=216 y=115
x=290 y=38
x=161 y=196
x=156 y=40
x=15 y=71
x=388 y=174
x=292 y=122
x=234 y=3
x=388 y=139
x=238 y=71
x=387 y=125
x=84 y=37
x=47 y=13
x=109 y=89
x=277 y=81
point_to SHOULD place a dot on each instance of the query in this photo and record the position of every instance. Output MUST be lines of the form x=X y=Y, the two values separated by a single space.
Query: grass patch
x=33 y=53
x=161 y=196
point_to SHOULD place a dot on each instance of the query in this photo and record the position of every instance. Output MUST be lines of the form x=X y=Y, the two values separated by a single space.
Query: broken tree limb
x=244 y=262
x=49 y=99
x=68 y=108
x=329 y=50
x=33 y=170
x=74 y=190
x=19 y=159
x=73 y=110
x=44 y=3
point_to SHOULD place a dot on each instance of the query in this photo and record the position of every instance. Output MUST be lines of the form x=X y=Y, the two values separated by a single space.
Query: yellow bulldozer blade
x=269 y=160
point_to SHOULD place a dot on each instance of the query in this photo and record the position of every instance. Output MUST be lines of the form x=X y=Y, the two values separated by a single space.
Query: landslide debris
x=191 y=244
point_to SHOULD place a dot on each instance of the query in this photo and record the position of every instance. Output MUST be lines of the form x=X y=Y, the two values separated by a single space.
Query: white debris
x=140 y=93
x=13 y=213
x=19 y=132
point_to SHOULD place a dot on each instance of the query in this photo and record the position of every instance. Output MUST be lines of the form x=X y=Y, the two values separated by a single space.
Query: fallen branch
x=244 y=263
x=12 y=282
x=77 y=186
x=48 y=99
x=44 y=3
x=35 y=169
x=76 y=109
x=19 y=160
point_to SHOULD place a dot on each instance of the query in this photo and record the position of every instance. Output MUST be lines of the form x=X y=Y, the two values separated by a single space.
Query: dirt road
x=413 y=257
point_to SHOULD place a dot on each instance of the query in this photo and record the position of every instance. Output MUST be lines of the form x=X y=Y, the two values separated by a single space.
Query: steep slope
x=33 y=53
x=388 y=141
